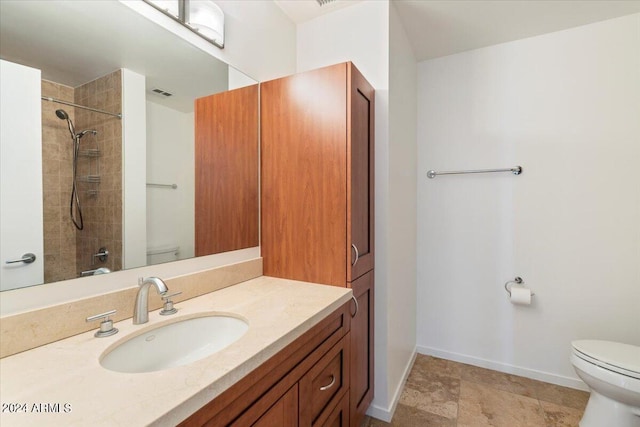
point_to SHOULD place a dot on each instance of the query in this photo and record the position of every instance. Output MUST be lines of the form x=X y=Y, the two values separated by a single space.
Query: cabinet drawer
x=324 y=384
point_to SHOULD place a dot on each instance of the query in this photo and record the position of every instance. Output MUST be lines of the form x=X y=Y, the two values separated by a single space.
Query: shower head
x=62 y=115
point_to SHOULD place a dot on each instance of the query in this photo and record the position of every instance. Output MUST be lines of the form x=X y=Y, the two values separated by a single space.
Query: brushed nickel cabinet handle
x=355 y=300
x=355 y=248
x=328 y=386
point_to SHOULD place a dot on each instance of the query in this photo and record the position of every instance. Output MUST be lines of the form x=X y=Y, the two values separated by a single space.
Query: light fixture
x=203 y=17
x=207 y=19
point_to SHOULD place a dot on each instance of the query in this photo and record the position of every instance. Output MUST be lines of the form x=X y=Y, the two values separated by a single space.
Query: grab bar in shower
x=517 y=170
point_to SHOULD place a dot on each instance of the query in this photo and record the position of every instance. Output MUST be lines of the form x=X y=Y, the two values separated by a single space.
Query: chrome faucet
x=141 y=308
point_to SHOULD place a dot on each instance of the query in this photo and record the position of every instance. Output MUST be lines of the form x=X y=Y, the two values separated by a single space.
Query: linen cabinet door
x=360 y=183
x=361 y=385
x=303 y=176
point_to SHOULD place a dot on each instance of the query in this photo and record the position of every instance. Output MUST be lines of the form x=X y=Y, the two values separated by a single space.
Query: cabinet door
x=303 y=176
x=226 y=171
x=339 y=416
x=283 y=413
x=360 y=188
x=361 y=392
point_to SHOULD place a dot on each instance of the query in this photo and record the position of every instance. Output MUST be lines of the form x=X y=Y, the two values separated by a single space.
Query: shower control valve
x=102 y=255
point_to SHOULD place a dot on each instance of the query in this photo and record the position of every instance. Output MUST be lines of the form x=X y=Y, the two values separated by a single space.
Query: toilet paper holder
x=517 y=281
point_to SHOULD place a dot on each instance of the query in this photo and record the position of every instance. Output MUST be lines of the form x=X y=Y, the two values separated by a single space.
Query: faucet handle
x=168 y=304
x=106 y=326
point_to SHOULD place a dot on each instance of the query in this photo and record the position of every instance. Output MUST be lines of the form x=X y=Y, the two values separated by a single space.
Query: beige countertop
x=65 y=382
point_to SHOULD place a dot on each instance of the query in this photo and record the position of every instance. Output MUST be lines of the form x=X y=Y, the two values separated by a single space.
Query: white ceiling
x=444 y=27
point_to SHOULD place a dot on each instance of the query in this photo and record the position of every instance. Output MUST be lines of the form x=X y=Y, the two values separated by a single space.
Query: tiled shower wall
x=57 y=154
x=102 y=201
x=67 y=251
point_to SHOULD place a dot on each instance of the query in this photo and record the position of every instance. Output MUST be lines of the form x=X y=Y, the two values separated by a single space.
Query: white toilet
x=612 y=372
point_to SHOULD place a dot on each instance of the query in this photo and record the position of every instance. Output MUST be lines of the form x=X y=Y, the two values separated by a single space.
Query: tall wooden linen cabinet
x=317 y=195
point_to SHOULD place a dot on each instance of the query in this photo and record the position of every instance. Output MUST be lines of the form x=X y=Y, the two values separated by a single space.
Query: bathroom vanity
x=289 y=368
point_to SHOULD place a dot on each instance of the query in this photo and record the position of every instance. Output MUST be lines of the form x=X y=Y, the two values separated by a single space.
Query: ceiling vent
x=161 y=92
x=324 y=2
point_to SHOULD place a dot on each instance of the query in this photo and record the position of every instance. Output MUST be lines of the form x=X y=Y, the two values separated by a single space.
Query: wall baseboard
x=385 y=414
x=504 y=367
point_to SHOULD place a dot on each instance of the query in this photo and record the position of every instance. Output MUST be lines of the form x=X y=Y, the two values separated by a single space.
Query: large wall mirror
x=111 y=193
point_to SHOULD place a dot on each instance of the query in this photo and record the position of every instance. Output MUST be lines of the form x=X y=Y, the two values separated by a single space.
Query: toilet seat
x=617 y=357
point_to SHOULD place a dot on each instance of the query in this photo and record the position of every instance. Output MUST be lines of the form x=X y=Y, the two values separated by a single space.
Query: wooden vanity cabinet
x=317 y=195
x=306 y=384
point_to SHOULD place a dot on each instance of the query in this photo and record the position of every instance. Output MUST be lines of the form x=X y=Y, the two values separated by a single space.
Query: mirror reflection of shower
x=75 y=214
x=87 y=172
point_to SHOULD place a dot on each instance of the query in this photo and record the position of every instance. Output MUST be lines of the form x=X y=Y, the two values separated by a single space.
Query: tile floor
x=442 y=393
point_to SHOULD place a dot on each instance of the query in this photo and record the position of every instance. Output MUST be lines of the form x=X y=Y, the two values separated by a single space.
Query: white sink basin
x=174 y=344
